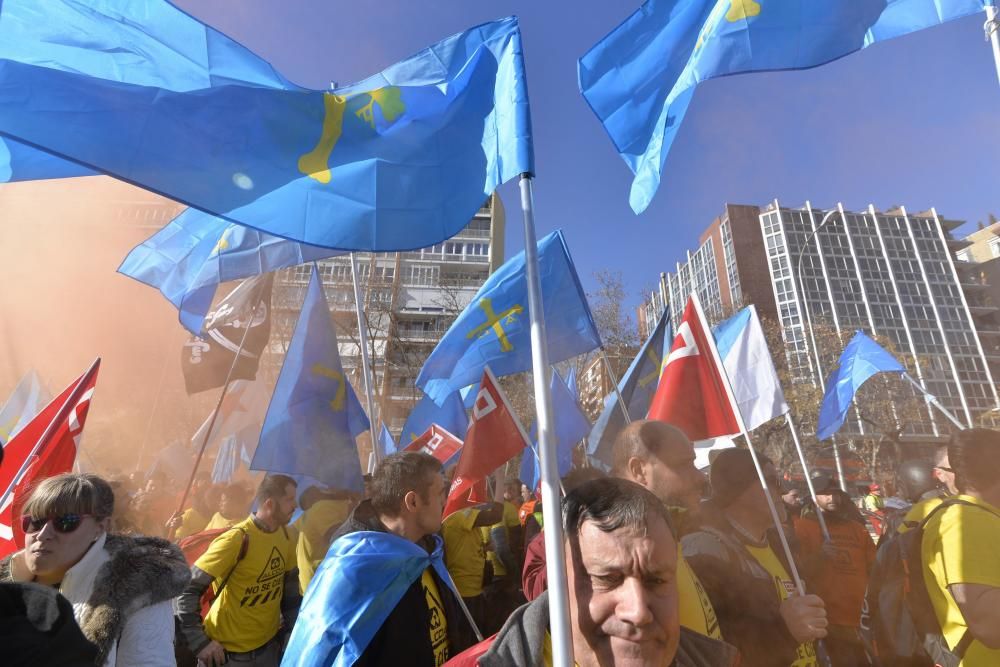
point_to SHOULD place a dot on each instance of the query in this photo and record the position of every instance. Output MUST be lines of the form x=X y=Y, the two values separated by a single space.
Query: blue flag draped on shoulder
x=194 y=252
x=640 y=78
x=494 y=328
x=356 y=587
x=450 y=415
x=637 y=387
x=398 y=161
x=314 y=415
x=149 y=43
x=861 y=359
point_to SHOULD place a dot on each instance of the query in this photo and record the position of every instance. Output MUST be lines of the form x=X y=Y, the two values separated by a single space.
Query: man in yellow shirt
x=465 y=553
x=233 y=506
x=323 y=511
x=960 y=551
x=256 y=588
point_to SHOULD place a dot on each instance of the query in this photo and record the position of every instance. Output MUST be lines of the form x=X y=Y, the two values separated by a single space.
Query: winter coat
x=121 y=592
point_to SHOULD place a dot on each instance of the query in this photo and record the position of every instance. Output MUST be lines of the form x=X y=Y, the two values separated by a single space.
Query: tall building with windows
x=409 y=300
x=979 y=266
x=891 y=273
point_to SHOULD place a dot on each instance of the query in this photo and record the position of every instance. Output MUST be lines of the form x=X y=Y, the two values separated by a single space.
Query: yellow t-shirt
x=918 y=512
x=960 y=546
x=218 y=521
x=247 y=612
x=192 y=521
x=314 y=527
x=463 y=552
x=547 y=651
x=439 y=623
x=806 y=654
x=696 y=610
x=509 y=520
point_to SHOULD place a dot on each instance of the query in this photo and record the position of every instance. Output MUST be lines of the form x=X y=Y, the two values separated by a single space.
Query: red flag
x=494 y=437
x=692 y=394
x=46 y=446
x=436 y=441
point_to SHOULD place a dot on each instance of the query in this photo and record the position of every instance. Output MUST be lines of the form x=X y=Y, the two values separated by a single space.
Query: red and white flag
x=436 y=441
x=495 y=436
x=693 y=394
x=46 y=446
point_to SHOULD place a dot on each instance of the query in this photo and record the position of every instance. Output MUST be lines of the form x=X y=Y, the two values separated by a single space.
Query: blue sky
x=913 y=121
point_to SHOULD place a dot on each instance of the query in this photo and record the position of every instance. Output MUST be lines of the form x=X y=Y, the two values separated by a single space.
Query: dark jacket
x=37 y=628
x=743 y=593
x=404 y=638
x=520 y=641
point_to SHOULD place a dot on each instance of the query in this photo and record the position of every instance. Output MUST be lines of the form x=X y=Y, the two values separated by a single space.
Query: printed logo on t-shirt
x=269 y=583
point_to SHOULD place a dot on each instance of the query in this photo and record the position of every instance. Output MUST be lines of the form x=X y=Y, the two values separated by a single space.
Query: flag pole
x=805 y=473
x=992 y=26
x=932 y=399
x=365 y=365
x=727 y=386
x=614 y=384
x=559 y=629
x=222 y=396
x=71 y=402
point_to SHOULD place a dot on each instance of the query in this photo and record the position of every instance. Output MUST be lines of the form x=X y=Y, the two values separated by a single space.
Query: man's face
x=510 y=492
x=828 y=501
x=671 y=476
x=623 y=595
x=429 y=511
x=526 y=494
x=793 y=498
x=756 y=499
x=944 y=474
x=284 y=507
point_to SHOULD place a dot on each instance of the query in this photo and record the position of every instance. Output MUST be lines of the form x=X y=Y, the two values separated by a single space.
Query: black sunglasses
x=66 y=523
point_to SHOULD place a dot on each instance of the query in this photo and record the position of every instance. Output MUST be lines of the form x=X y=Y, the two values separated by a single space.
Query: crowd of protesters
x=666 y=565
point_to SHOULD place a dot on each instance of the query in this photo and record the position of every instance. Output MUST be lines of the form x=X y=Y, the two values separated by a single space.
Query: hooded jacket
x=404 y=638
x=121 y=592
x=521 y=640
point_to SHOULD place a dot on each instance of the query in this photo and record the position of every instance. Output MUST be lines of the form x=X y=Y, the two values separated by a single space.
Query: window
x=995 y=247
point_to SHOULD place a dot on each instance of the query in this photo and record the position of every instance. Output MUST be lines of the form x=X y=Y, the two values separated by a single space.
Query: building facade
x=409 y=300
x=892 y=274
x=979 y=266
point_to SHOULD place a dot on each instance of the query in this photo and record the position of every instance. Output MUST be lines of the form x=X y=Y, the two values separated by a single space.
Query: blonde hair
x=71 y=493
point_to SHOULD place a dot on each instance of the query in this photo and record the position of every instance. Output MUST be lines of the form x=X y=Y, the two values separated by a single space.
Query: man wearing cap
x=837 y=571
x=737 y=555
x=873 y=501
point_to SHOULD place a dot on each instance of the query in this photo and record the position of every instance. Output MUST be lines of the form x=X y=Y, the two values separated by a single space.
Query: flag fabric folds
x=640 y=78
x=861 y=359
x=206 y=359
x=242 y=411
x=494 y=328
x=437 y=442
x=692 y=394
x=143 y=43
x=450 y=415
x=743 y=350
x=530 y=472
x=386 y=443
x=46 y=446
x=495 y=436
x=24 y=403
x=637 y=387
x=358 y=584
x=398 y=161
x=314 y=415
x=571 y=424
x=232 y=453
x=187 y=259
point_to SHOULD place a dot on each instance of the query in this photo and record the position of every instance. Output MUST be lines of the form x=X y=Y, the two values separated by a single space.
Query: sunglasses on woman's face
x=66 y=523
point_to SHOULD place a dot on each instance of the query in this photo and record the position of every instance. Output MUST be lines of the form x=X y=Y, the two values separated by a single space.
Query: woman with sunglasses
x=120 y=587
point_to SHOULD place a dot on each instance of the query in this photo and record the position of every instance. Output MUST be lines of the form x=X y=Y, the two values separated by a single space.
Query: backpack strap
x=240 y=555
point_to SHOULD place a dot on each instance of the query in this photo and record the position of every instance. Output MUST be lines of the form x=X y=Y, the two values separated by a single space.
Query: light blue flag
x=861 y=359
x=494 y=328
x=187 y=259
x=385 y=441
x=26 y=401
x=571 y=424
x=361 y=580
x=450 y=415
x=314 y=415
x=232 y=453
x=640 y=78
x=572 y=383
x=148 y=43
x=637 y=387
x=398 y=161
x=531 y=471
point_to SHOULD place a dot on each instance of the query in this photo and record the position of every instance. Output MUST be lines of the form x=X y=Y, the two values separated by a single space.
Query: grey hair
x=611 y=503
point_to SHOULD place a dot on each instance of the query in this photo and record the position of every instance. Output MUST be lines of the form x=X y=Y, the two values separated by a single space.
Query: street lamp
x=812 y=334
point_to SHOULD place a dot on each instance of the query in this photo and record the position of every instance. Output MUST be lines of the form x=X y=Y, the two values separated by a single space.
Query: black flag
x=206 y=359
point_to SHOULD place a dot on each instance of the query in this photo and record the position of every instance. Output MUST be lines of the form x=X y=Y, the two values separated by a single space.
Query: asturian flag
x=693 y=394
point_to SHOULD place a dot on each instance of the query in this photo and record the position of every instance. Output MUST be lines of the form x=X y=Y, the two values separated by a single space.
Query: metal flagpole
x=614 y=384
x=932 y=399
x=71 y=402
x=805 y=473
x=562 y=646
x=365 y=365
x=222 y=396
x=992 y=26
